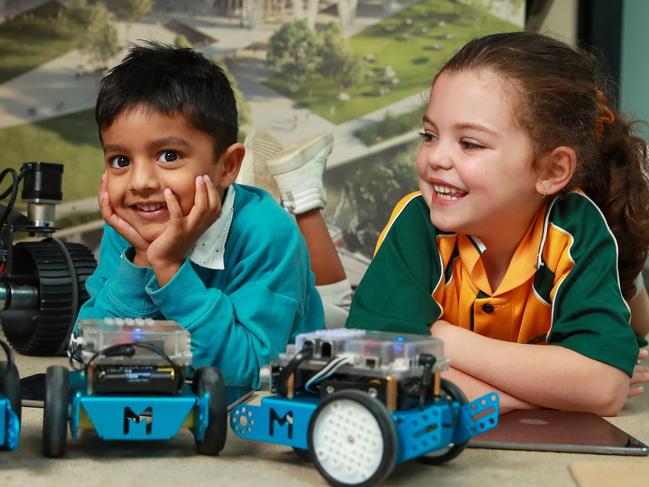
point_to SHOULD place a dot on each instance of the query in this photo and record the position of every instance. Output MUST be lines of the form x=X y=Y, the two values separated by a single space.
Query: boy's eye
x=168 y=156
x=119 y=162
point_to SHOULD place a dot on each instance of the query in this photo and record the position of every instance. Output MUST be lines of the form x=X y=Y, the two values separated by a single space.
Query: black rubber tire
x=57 y=272
x=456 y=394
x=10 y=381
x=55 y=413
x=210 y=380
x=303 y=454
x=386 y=425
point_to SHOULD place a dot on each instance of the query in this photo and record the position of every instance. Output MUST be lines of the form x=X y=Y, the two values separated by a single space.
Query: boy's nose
x=143 y=177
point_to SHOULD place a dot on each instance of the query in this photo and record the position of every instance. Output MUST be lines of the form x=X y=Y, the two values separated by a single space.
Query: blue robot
x=129 y=384
x=358 y=402
x=10 y=406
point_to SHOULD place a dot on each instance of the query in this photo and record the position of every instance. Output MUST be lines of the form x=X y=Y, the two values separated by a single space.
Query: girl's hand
x=122 y=226
x=167 y=252
x=640 y=375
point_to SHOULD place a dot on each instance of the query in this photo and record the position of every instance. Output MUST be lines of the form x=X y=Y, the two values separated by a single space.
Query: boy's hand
x=640 y=375
x=122 y=226
x=167 y=252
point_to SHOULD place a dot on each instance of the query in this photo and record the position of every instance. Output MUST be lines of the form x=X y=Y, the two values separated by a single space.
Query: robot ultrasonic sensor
x=359 y=402
x=128 y=383
x=10 y=406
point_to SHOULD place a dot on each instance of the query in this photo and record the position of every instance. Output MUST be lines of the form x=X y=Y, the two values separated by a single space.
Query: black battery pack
x=145 y=380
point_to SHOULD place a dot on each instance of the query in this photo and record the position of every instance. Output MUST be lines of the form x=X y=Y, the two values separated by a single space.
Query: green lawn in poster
x=70 y=140
x=32 y=39
x=414 y=42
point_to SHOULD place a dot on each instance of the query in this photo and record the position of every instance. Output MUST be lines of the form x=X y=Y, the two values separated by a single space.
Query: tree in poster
x=97 y=38
x=298 y=52
x=337 y=62
x=132 y=11
x=370 y=194
x=294 y=52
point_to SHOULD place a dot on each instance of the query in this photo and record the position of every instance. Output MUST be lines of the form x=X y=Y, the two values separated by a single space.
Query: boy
x=182 y=241
x=293 y=175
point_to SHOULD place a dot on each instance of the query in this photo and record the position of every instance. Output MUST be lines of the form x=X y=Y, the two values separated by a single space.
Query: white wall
x=634 y=62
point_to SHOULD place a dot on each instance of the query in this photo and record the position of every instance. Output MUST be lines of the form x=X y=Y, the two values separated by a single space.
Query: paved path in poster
x=67 y=85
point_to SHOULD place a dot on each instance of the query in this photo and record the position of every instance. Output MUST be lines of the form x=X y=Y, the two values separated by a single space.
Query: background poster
x=359 y=69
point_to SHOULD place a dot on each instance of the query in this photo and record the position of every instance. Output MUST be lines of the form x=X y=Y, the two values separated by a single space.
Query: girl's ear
x=557 y=169
x=229 y=164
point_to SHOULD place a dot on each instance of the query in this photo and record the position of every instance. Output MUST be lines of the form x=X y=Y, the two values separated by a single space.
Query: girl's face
x=475 y=163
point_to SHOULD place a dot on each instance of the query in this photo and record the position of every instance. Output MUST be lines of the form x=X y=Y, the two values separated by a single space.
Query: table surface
x=90 y=461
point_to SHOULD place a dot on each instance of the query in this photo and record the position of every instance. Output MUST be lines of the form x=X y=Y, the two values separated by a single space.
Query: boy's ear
x=557 y=168
x=229 y=164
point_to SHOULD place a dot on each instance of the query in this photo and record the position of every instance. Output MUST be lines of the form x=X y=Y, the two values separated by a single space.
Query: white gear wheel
x=348 y=441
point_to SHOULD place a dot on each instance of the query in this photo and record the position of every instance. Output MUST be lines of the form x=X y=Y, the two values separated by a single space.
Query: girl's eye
x=427 y=137
x=470 y=145
x=168 y=156
x=119 y=162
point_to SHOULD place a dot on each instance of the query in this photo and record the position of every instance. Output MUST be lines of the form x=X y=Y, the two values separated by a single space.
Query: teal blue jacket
x=240 y=318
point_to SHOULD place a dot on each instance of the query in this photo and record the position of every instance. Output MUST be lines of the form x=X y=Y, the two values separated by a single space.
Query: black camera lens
x=42 y=182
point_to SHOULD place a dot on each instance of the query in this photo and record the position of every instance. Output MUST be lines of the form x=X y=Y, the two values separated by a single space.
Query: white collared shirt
x=209 y=249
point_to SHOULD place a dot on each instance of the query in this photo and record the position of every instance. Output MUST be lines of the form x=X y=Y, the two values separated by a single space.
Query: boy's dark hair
x=560 y=101
x=171 y=80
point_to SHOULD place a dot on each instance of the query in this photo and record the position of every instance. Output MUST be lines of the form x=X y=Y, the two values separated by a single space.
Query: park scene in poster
x=359 y=69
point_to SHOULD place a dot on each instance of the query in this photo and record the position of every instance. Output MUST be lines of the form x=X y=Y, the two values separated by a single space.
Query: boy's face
x=146 y=152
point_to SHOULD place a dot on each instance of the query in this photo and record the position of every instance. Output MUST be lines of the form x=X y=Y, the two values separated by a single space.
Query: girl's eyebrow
x=427 y=120
x=475 y=126
x=464 y=126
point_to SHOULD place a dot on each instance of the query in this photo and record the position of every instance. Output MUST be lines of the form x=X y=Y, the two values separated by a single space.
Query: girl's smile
x=444 y=194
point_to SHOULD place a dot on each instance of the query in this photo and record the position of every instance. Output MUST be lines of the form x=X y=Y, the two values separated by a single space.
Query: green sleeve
x=589 y=313
x=395 y=292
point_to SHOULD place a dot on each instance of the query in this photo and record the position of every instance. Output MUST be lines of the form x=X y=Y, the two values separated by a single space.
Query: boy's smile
x=151 y=211
x=145 y=152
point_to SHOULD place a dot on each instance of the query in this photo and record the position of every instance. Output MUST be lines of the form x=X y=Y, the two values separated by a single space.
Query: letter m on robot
x=281 y=421
x=133 y=423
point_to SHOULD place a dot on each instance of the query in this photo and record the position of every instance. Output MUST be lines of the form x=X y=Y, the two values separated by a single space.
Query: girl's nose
x=439 y=156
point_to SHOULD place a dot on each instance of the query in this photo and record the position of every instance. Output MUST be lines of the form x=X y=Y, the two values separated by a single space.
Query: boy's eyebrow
x=156 y=143
x=114 y=148
x=170 y=141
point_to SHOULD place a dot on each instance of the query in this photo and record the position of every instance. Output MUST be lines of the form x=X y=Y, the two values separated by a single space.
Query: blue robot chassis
x=10 y=407
x=132 y=387
x=358 y=402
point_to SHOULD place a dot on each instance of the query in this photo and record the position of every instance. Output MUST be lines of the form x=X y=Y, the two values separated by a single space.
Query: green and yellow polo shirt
x=561 y=288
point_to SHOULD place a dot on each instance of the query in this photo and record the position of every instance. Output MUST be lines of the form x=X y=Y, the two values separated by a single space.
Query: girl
x=530 y=227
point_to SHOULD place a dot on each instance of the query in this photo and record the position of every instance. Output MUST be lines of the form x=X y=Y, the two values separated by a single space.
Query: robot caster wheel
x=352 y=439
